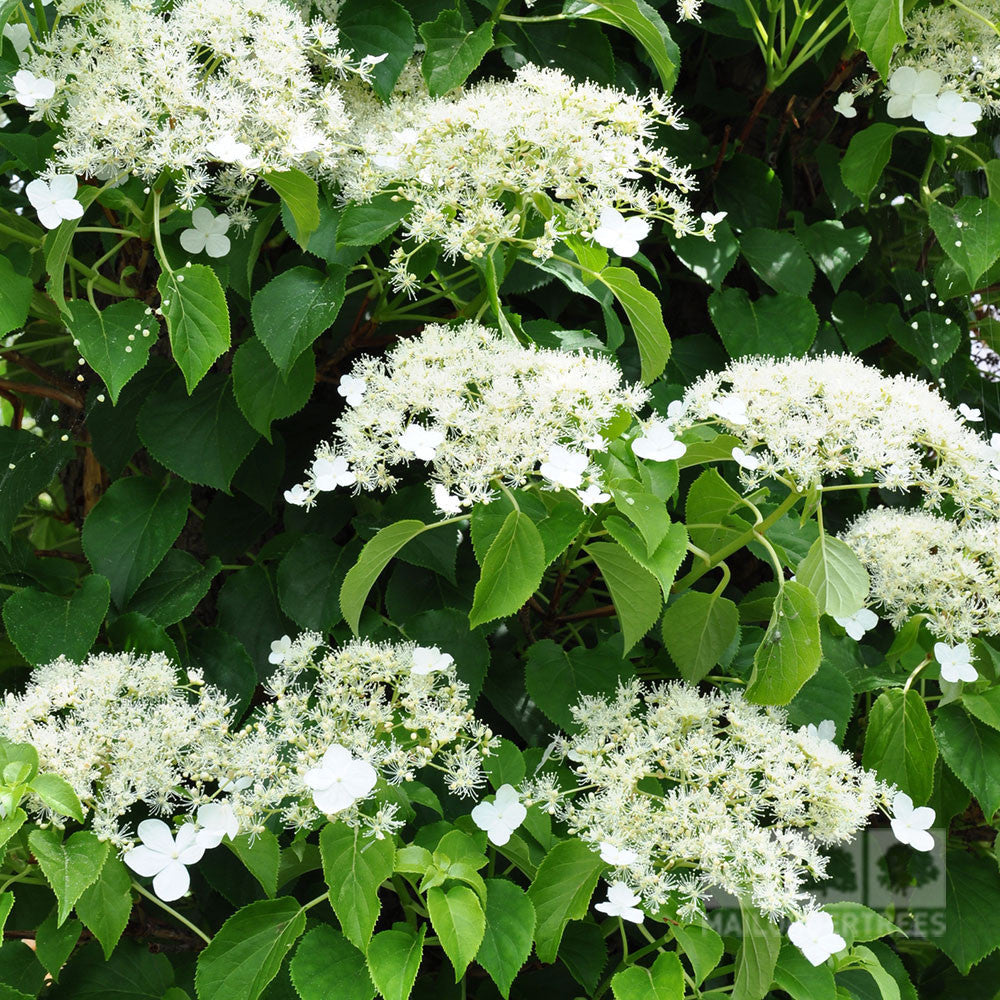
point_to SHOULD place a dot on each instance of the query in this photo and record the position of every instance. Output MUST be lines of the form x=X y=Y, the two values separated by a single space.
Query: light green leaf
x=261 y=855
x=703 y=947
x=635 y=592
x=561 y=892
x=452 y=53
x=646 y=511
x=834 y=249
x=664 y=980
x=459 y=922
x=369 y=223
x=394 y=960
x=68 y=867
x=194 y=307
x=293 y=309
x=855 y=922
x=131 y=529
x=57 y=793
x=667 y=558
x=374 y=557
x=835 y=575
x=802 y=980
x=326 y=966
x=510 y=926
x=512 y=570
x=899 y=744
x=887 y=986
x=969 y=234
x=645 y=316
x=879 y=29
x=300 y=193
x=867 y=154
x=790 y=653
x=105 y=907
x=697 y=629
x=248 y=949
x=777 y=325
x=112 y=342
x=354 y=867
x=758 y=954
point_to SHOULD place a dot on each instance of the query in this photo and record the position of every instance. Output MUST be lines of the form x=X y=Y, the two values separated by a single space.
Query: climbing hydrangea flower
x=165 y=857
x=742 y=802
x=54 y=200
x=480 y=410
x=501 y=817
x=208 y=233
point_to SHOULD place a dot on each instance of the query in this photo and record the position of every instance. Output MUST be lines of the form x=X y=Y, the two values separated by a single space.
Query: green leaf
x=969 y=234
x=512 y=570
x=703 y=947
x=44 y=627
x=248 y=949
x=263 y=393
x=834 y=249
x=972 y=751
x=697 y=629
x=131 y=529
x=510 y=926
x=855 y=922
x=899 y=744
x=646 y=511
x=369 y=223
x=175 y=588
x=663 y=980
x=556 y=678
x=53 y=944
x=972 y=909
x=777 y=325
x=835 y=575
x=879 y=28
x=863 y=324
x=354 y=868
x=710 y=260
x=57 y=793
x=561 y=892
x=758 y=954
x=887 y=985
x=645 y=316
x=867 y=154
x=459 y=922
x=15 y=297
x=202 y=437
x=261 y=855
x=374 y=557
x=383 y=29
x=802 y=980
x=293 y=309
x=327 y=965
x=68 y=867
x=929 y=337
x=634 y=591
x=790 y=653
x=133 y=973
x=394 y=960
x=27 y=466
x=452 y=53
x=6 y=905
x=194 y=307
x=646 y=25
x=667 y=558
x=310 y=576
x=984 y=705
x=300 y=193
x=112 y=342
x=105 y=907
x=779 y=259
x=826 y=695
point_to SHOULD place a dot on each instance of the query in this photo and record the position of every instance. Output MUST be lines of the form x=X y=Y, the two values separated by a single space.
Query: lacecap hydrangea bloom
x=477 y=409
x=122 y=730
x=524 y=162
x=685 y=792
x=143 y=87
x=919 y=562
x=341 y=723
x=809 y=420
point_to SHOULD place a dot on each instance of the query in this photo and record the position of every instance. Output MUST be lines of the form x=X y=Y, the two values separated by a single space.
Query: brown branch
x=581 y=590
x=18 y=406
x=723 y=146
x=19 y=359
x=40 y=390
x=59 y=554
x=754 y=115
x=605 y=611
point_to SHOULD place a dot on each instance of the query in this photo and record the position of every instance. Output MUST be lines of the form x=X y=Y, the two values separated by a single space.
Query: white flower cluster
x=339 y=720
x=960 y=45
x=246 y=85
x=684 y=792
x=524 y=162
x=121 y=730
x=919 y=94
x=806 y=420
x=919 y=562
x=479 y=409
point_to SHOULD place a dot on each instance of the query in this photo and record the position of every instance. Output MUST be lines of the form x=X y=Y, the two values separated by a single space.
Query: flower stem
x=169 y=909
